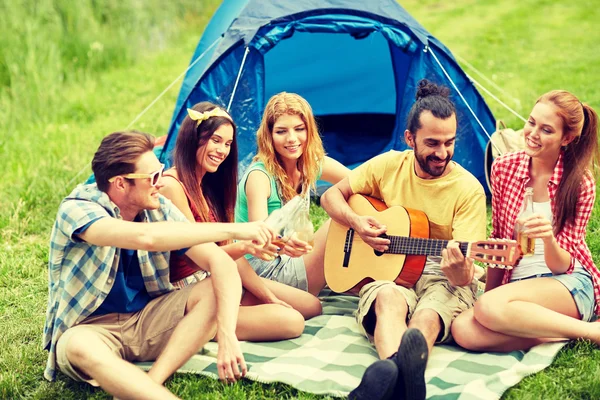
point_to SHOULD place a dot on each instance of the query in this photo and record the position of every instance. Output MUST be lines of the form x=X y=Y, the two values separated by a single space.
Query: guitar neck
x=421 y=247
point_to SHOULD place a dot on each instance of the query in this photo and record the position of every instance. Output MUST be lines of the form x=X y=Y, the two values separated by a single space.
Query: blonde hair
x=313 y=154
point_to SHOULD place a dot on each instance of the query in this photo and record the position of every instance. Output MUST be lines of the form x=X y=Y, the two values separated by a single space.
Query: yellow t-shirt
x=454 y=204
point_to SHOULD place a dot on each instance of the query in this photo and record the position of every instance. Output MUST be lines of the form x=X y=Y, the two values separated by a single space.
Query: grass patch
x=71 y=72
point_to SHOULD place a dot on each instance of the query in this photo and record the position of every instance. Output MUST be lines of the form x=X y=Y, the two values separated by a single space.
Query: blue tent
x=356 y=62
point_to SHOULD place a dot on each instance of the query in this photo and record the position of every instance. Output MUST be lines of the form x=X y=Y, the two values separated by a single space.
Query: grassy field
x=71 y=72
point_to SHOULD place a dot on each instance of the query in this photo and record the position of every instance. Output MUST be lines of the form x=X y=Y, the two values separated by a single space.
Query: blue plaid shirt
x=80 y=274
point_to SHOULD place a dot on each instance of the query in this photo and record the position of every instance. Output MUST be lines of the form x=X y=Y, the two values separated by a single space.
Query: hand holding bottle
x=305 y=231
x=526 y=243
x=537 y=226
x=293 y=226
x=258 y=232
x=295 y=247
x=264 y=252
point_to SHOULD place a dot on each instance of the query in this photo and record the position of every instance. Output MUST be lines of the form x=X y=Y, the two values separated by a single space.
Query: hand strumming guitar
x=457 y=268
x=369 y=229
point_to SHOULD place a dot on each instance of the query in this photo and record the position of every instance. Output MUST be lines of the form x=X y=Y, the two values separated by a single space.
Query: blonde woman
x=202 y=185
x=289 y=162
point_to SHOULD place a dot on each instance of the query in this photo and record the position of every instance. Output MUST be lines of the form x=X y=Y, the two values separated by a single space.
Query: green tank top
x=273 y=203
x=241 y=204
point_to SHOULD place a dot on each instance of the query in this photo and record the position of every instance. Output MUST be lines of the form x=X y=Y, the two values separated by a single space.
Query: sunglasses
x=154 y=176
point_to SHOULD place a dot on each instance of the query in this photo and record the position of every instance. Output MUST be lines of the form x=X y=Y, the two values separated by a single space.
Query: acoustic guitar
x=350 y=263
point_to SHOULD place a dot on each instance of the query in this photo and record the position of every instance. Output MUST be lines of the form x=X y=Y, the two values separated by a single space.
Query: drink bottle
x=277 y=221
x=526 y=243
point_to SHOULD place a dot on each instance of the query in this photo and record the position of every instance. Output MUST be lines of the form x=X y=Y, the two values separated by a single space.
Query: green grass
x=71 y=72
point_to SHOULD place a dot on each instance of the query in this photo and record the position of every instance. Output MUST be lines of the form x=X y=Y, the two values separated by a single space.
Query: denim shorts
x=283 y=269
x=580 y=284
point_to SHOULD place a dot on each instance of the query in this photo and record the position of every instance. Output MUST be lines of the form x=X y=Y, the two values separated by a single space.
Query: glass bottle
x=277 y=221
x=282 y=220
x=526 y=243
x=303 y=226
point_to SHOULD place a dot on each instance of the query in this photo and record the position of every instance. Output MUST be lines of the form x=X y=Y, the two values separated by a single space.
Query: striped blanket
x=331 y=356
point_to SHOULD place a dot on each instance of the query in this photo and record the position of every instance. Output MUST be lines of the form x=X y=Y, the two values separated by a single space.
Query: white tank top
x=536 y=264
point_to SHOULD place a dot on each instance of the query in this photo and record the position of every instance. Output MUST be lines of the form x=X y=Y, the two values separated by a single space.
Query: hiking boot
x=411 y=360
x=378 y=382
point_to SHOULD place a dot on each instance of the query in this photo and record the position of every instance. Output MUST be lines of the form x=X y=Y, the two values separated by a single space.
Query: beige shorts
x=431 y=292
x=139 y=336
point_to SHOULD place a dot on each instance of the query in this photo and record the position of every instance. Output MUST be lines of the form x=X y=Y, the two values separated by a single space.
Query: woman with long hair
x=553 y=293
x=202 y=184
x=289 y=162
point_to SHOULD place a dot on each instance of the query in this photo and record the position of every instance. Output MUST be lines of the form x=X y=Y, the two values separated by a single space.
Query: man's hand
x=458 y=269
x=258 y=232
x=229 y=357
x=369 y=229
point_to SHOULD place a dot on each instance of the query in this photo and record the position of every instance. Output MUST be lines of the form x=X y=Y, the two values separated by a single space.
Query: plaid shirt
x=80 y=274
x=510 y=175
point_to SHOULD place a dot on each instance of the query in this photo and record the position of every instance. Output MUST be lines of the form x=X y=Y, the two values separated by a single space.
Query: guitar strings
x=420 y=246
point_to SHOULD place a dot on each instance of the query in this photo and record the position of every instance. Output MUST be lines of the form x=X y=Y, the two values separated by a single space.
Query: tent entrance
x=349 y=83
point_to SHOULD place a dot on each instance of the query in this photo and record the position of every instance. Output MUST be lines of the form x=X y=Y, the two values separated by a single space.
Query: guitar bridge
x=348 y=247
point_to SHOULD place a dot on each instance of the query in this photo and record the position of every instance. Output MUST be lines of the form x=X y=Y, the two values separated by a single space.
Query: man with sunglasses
x=110 y=299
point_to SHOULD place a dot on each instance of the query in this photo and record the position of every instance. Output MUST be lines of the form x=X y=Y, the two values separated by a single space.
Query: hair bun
x=426 y=89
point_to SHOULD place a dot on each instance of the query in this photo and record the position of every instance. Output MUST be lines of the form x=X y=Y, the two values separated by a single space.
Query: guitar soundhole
x=377 y=252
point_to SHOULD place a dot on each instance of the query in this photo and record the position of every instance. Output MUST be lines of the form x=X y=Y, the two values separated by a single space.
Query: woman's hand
x=295 y=247
x=270 y=298
x=538 y=227
x=266 y=252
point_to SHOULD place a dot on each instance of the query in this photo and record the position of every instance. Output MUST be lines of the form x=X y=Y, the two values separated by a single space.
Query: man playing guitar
x=404 y=323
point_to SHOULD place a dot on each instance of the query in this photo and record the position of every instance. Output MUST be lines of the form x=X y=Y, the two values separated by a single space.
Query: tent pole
x=488 y=80
x=429 y=49
x=237 y=80
x=496 y=98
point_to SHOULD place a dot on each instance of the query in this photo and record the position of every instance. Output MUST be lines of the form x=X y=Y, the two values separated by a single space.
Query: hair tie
x=199 y=117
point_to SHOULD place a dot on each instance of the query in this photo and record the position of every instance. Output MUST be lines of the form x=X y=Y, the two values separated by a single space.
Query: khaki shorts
x=431 y=292
x=139 y=336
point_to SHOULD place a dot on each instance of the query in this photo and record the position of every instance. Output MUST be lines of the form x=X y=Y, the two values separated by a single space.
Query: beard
x=426 y=163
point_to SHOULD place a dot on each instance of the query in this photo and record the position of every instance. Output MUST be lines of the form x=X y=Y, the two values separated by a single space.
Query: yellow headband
x=199 y=117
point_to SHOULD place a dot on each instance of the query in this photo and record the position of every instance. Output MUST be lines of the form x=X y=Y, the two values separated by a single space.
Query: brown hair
x=430 y=97
x=216 y=191
x=312 y=157
x=118 y=154
x=580 y=156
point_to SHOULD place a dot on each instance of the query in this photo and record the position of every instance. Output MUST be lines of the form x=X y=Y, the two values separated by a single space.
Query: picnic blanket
x=331 y=355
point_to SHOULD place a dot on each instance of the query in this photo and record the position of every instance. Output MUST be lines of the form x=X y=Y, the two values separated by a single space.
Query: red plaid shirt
x=510 y=174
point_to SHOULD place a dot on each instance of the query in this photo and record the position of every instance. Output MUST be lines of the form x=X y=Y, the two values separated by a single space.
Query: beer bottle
x=302 y=224
x=526 y=244
x=276 y=220
x=281 y=220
